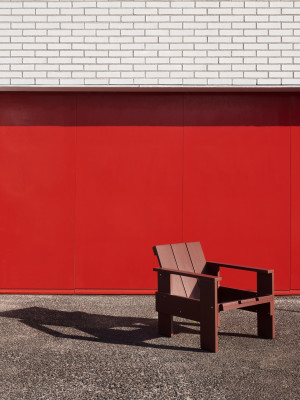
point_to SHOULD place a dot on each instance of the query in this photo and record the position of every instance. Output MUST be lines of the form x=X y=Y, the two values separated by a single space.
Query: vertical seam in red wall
x=182 y=198
x=75 y=196
x=290 y=208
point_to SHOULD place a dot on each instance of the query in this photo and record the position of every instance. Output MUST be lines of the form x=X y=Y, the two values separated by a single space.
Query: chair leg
x=208 y=314
x=265 y=320
x=219 y=320
x=209 y=333
x=165 y=324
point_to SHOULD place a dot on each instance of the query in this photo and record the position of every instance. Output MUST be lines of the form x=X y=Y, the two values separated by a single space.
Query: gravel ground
x=107 y=347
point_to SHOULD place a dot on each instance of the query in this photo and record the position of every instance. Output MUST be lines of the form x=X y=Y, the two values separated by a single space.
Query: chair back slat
x=184 y=263
x=197 y=256
x=167 y=260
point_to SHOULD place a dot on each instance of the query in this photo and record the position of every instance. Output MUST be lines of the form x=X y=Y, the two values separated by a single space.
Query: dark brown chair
x=188 y=287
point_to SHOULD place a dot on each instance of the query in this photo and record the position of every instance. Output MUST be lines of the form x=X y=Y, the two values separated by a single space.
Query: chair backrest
x=183 y=257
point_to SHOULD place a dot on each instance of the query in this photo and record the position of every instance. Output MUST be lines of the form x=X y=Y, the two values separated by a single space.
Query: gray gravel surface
x=107 y=347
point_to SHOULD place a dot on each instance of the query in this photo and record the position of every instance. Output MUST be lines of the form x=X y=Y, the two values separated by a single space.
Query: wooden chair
x=188 y=287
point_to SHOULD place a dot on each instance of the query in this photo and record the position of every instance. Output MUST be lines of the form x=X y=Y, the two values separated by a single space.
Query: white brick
x=72 y=81
x=72 y=67
x=46 y=67
x=293 y=67
x=231 y=74
x=231 y=60
x=9 y=18
x=281 y=74
x=281 y=4
x=59 y=46
x=268 y=67
x=35 y=60
x=146 y=82
x=10 y=4
x=219 y=82
x=268 y=53
x=10 y=60
x=22 y=53
x=291 y=81
x=282 y=18
x=231 y=18
x=22 y=67
x=82 y=4
x=219 y=67
x=256 y=46
x=257 y=4
x=206 y=74
x=34 y=74
x=146 y=67
x=243 y=11
x=44 y=11
x=231 y=4
x=281 y=60
x=244 y=82
x=48 y=82
x=268 y=11
x=256 y=60
x=60 y=18
x=255 y=74
x=22 y=81
x=97 y=82
x=10 y=46
x=281 y=46
x=10 y=74
x=84 y=74
x=195 y=82
x=5 y=11
x=34 y=4
x=268 y=81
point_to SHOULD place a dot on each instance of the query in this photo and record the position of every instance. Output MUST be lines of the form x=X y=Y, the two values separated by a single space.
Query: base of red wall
x=113 y=292
x=35 y=291
x=287 y=293
x=79 y=291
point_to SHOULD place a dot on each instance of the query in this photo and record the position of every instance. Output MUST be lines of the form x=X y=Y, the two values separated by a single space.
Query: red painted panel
x=129 y=198
x=236 y=191
x=237 y=198
x=37 y=193
x=295 y=207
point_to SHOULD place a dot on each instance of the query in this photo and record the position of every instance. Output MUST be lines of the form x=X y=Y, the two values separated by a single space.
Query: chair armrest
x=254 y=269
x=184 y=273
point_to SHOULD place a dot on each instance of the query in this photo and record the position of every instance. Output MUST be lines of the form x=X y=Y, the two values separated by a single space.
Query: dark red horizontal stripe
x=149 y=108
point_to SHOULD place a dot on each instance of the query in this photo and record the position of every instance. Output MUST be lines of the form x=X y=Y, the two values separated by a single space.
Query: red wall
x=89 y=182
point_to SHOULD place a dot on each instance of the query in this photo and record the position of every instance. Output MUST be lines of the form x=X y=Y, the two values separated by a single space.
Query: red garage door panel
x=237 y=197
x=295 y=212
x=37 y=182
x=129 y=198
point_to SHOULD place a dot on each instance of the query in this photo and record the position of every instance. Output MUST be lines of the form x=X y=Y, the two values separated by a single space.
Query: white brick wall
x=149 y=43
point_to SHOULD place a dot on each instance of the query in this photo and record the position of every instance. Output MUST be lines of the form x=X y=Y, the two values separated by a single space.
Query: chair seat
x=230 y=298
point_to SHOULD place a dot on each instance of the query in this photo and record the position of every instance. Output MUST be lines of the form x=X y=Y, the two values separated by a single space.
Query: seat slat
x=184 y=263
x=167 y=260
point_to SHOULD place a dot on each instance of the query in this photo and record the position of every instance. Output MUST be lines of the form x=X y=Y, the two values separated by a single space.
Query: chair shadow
x=120 y=330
